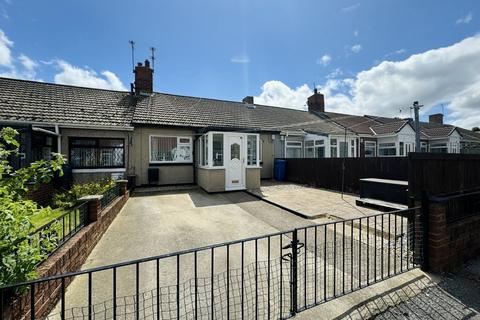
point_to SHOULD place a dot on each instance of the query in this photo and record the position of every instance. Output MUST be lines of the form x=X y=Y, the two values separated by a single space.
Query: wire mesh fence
x=268 y=277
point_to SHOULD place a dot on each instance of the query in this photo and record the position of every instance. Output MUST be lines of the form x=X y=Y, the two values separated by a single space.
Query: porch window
x=402 y=149
x=370 y=149
x=333 y=148
x=439 y=147
x=252 y=141
x=387 y=149
x=217 y=140
x=352 y=148
x=96 y=153
x=343 y=149
x=293 y=149
x=165 y=149
x=315 y=149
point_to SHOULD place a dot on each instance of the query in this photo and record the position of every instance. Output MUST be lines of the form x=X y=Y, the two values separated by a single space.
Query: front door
x=235 y=165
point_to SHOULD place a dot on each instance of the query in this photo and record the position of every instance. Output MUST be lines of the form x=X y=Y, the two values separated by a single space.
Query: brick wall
x=450 y=244
x=69 y=258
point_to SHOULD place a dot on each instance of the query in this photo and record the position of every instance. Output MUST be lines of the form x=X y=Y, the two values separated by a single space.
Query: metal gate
x=273 y=276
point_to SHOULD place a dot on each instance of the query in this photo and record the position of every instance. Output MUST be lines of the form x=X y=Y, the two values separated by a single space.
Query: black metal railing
x=55 y=233
x=273 y=276
x=110 y=195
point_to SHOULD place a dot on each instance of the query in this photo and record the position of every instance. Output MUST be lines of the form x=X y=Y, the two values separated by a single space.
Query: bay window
x=97 y=153
x=166 y=149
x=387 y=149
x=315 y=149
x=439 y=147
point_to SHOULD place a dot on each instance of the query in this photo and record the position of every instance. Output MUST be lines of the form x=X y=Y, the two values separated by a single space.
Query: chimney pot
x=248 y=100
x=316 y=102
x=436 y=118
x=139 y=64
x=147 y=63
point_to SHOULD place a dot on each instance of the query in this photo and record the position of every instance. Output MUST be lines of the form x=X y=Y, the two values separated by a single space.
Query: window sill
x=86 y=170
x=161 y=164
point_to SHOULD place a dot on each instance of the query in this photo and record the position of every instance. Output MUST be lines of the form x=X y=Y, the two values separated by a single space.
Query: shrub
x=69 y=198
x=19 y=255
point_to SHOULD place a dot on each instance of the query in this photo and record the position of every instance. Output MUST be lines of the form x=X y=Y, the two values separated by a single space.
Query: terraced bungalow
x=157 y=138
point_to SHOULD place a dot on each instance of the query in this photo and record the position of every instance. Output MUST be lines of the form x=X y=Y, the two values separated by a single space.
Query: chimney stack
x=143 y=78
x=248 y=100
x=436 y=118
x=316 y=102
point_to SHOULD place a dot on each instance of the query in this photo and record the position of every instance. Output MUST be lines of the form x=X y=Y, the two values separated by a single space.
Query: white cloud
x=5 y=50
x=28 y=63
x=277 y=93
x=356 y=48
x=240 y=59
x=465 y=19
x=396 y=52
x=353 y=7
x=86 y=77
x=444 y=75
x=324 y=60
x=356 y=33
x=335 y=74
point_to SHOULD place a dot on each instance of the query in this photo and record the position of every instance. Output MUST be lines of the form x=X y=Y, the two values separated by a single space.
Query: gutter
x=68 y=125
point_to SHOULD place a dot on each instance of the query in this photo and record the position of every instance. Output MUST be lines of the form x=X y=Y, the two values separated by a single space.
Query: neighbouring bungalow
x=164 y=139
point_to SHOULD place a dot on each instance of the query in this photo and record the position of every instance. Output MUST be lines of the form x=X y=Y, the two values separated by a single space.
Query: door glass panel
x=235 y=151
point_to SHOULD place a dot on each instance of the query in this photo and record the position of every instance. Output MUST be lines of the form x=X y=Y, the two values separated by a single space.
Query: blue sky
x=272 y=49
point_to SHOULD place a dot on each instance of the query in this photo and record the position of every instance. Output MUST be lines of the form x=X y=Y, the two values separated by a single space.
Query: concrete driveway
x=161 y=223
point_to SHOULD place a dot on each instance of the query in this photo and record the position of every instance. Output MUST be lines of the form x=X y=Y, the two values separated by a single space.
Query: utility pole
x=417 y=107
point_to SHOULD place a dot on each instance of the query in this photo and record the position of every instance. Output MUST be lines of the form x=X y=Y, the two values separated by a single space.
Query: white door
x=235 y=165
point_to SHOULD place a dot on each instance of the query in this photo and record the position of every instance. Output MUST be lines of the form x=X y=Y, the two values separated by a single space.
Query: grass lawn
x=46 y=216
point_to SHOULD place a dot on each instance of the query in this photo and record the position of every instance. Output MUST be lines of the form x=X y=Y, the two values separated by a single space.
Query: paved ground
x=154 y=224
x=413 y=295
x=312 y=202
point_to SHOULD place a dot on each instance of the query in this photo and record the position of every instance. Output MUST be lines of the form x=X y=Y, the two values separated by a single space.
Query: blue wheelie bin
x=279 y=169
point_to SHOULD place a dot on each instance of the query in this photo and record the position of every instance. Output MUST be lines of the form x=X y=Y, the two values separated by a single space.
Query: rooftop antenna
x=132 y=44
x=153 y=58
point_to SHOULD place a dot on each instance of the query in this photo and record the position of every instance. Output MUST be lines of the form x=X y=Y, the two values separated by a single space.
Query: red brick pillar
x=122 y=185
x=94 y=206
x=438 y=240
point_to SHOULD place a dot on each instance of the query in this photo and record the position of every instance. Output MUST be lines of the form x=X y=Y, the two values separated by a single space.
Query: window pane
x=343 y=149
x=309 y=153
x=110 y=143
x=235 y=151
x=217 y=150
x=83 y=142
x=167 y=149
x=320 y=152
x=309 y=143
x=294 y=152
x=252 y=150
x=333 y=152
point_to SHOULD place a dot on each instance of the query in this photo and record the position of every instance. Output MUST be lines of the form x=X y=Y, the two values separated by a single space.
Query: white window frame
x=190 y=144
x=439 y=145
x=257 y=165
x=299 y=145
x=392 y=145
x=317 y=143
x=371 y=144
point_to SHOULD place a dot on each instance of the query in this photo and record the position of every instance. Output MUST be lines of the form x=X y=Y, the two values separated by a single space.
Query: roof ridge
x=226 y=100
x=61 y=84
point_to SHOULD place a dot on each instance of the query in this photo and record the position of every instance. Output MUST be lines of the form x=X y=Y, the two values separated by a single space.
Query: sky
x=367 y=57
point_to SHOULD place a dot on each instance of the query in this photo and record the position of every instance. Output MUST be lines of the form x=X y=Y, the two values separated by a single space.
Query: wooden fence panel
x=327 y=172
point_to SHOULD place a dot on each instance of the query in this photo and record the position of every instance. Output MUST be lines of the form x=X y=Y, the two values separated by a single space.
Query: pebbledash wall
x=69 y=258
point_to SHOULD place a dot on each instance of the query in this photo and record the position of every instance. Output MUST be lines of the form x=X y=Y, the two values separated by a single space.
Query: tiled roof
x=22 y=100
x=357 y=124
x=469 y=135
x=389 y=128
x=436 y=130
x=175 y=110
